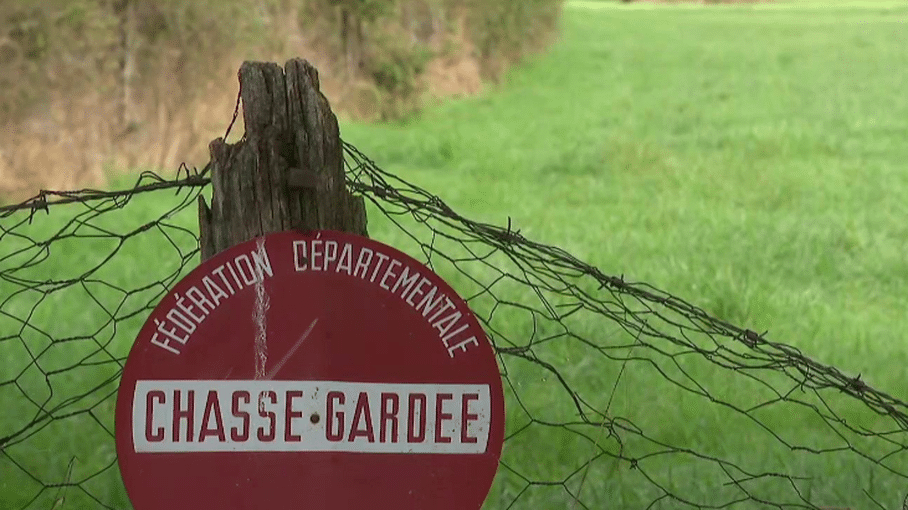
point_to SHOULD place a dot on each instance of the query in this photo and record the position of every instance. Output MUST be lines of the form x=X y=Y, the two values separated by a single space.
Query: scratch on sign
x=262 y=303
x=293 y=349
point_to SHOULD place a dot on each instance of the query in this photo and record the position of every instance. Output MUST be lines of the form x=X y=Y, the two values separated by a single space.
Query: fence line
x=78 y=281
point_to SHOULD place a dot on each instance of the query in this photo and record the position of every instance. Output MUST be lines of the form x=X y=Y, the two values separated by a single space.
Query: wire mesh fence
x=618 y=394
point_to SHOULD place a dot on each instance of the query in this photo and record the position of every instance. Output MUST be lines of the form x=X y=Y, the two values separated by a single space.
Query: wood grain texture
x=287 y=172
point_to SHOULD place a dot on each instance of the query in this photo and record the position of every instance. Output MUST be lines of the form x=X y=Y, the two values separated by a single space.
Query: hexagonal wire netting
x=618 y=394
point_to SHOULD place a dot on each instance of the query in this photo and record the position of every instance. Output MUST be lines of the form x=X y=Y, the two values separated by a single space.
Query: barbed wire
x=148 y=181
x=619 y=394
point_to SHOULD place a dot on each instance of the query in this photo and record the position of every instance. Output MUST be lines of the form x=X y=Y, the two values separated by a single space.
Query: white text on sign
x=411 y=283
x=402 y=280
x=310 y=416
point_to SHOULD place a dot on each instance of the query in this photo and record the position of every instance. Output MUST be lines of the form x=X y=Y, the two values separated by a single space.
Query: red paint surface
x=363 y=334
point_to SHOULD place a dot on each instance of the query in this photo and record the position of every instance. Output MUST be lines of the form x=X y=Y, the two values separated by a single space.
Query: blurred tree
x=130 y=76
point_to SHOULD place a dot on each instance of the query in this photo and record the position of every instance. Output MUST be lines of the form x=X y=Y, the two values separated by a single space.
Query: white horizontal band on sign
x=310 y=416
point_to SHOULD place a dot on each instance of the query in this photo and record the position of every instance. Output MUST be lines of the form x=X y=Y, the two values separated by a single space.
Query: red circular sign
x=310 y=370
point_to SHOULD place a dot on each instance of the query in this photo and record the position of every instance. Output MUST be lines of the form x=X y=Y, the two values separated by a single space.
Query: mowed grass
x=724 y=154
x=751 y=160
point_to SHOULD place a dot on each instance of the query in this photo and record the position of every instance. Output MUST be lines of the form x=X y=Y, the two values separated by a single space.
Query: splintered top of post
x=287 y=173
x=264 y=90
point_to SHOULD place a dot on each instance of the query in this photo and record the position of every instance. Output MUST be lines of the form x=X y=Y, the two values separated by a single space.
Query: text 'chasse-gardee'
x=197 y=415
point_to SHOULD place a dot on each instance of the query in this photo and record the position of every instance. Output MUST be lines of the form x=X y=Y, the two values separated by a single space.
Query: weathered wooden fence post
x=287 y=172
x=319 y=332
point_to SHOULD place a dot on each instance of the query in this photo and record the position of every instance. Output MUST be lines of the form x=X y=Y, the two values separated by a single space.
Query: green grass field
x=750 y=159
